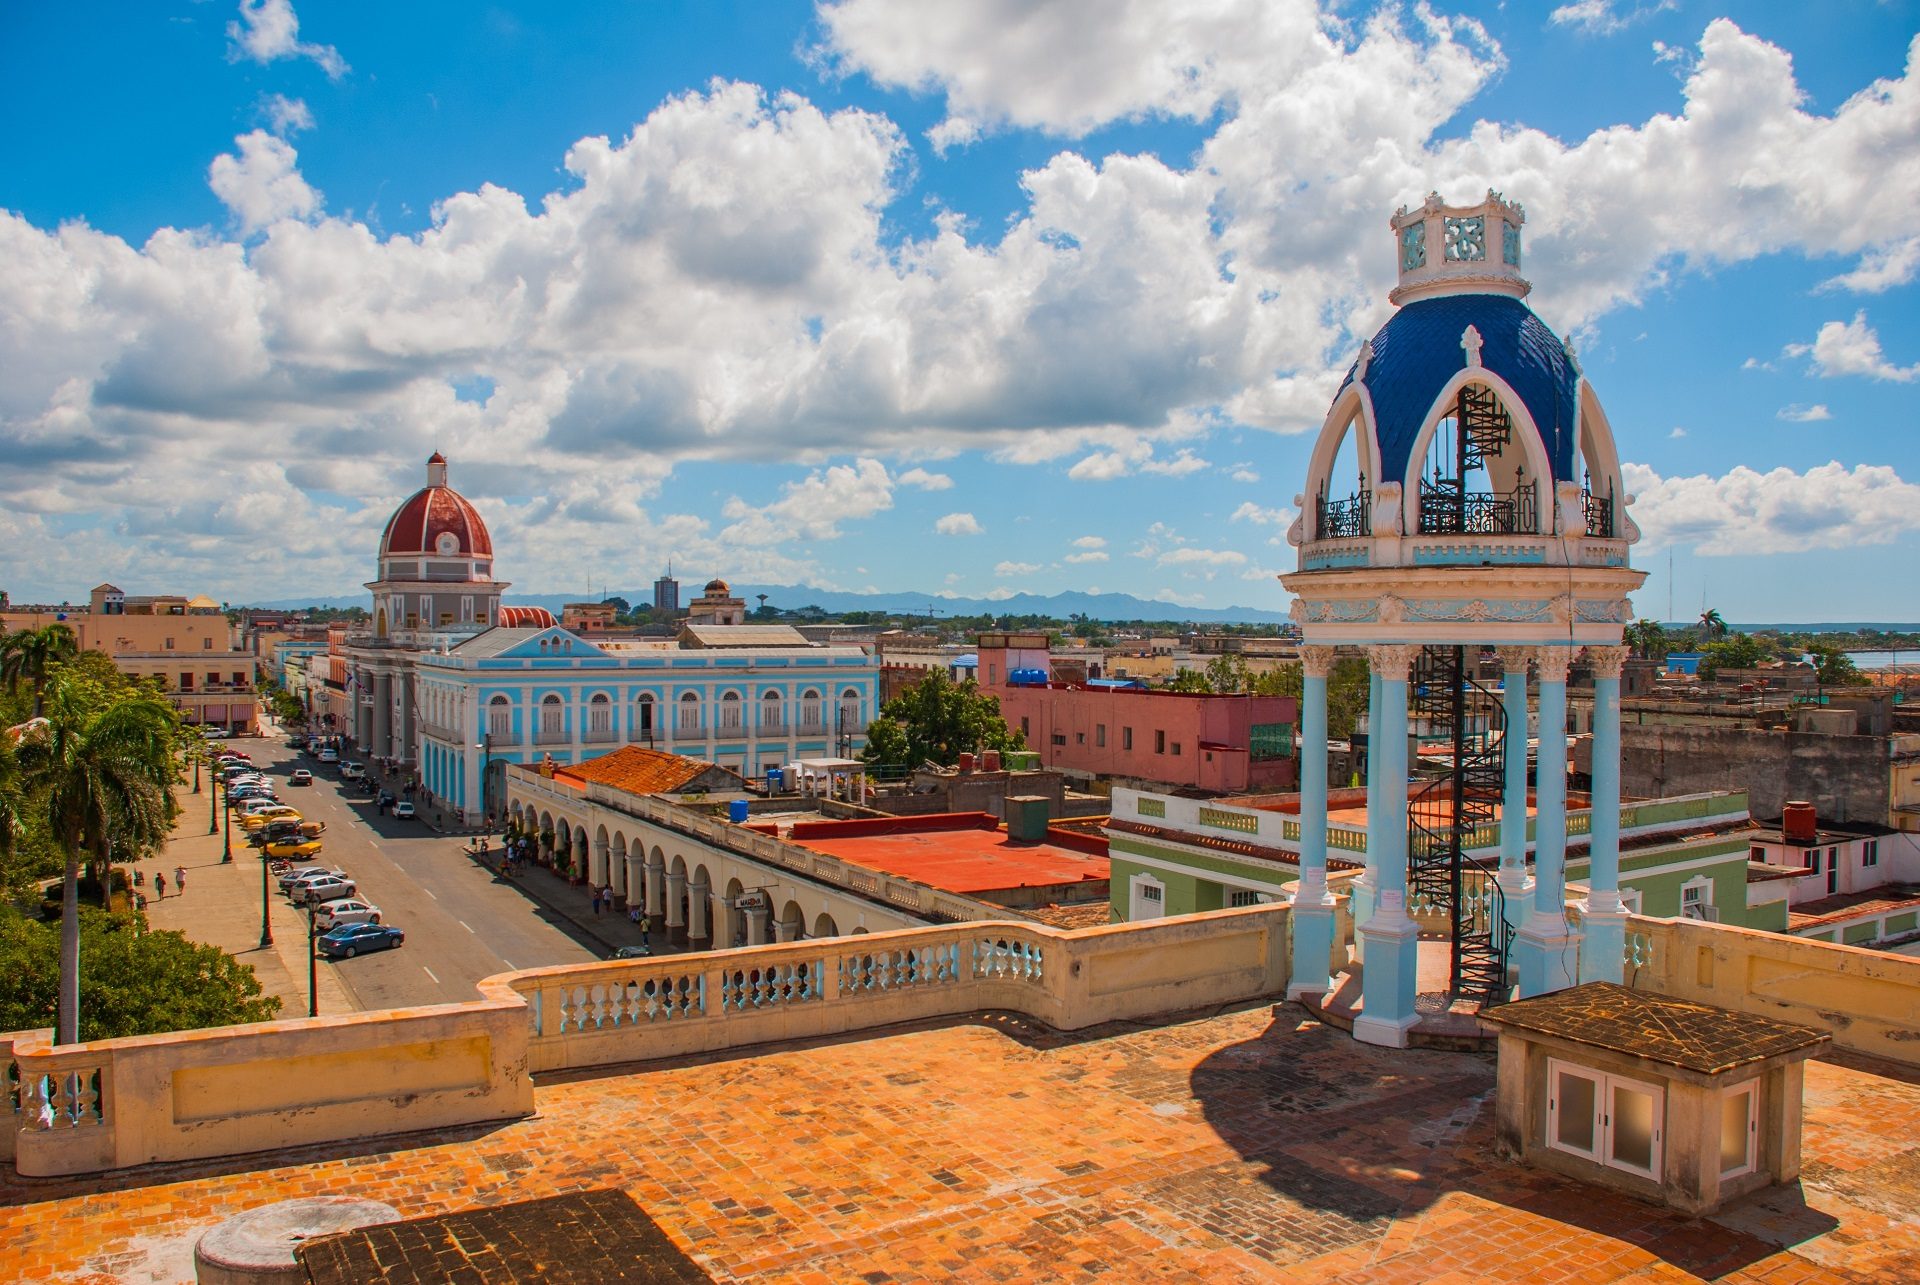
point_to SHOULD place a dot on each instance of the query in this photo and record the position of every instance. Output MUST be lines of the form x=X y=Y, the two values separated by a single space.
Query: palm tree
x=1711 y=623
x=106 y=768
x=1647 y=638
x=32 y=654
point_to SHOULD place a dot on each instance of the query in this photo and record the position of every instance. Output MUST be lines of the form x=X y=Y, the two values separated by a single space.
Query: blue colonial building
x=453 y=684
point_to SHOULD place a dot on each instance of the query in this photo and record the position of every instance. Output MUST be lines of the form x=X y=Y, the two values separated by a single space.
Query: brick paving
x=1236 y=1147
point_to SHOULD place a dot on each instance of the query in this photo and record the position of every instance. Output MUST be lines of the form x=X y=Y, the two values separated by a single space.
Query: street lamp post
x=213 y=804
x=313 y=965
x=226 y=839
x=198 y=754
x=266 y=922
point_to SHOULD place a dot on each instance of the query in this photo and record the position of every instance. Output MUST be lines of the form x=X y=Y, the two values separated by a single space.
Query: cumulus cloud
x=1090 y=542
x=1851 y=348
x=1747 y=512
x=1015 y=568
x=814 y=508
x=1251 y=512
x=1798 y=414
x=1881 y=268
x=1189 y=556
x=268 y=30
x=261 y=184
x=286 y=115
x=1096 y=555
x=1245 y=475
x=925 y=481
x=959 y=524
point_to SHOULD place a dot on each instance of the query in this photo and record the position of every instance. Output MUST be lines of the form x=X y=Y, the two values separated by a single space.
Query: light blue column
x=1515 y=885
x=1312 y=917
x=1545 y=950
x=1362 y=890
x=1604 y=921
x=1390 y=978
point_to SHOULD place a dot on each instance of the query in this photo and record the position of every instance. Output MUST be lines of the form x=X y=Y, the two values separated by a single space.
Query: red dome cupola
x=436 y=521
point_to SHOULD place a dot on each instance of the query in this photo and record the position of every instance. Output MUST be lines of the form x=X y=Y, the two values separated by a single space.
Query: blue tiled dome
x=1418 y=351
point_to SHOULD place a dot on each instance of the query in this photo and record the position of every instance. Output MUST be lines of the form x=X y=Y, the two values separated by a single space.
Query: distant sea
x=1883 y=659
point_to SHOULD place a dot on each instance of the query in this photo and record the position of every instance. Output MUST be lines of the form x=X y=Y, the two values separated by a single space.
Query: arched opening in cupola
x=1341 y=507
x=1599 y=470
x=1474 y=473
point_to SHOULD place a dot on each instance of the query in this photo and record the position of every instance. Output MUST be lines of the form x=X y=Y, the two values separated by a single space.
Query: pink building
x=1222 y=743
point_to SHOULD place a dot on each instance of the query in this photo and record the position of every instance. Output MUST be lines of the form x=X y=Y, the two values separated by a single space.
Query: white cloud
x=1746 y=512
x=1798 y=414
x=1677 y=433
x=926 y=481
x=286 y=115
x=1251 y=512
x=1015 y=568
x=1096 y=555
x=1851 y=348
x=268 y=30
x=813 y=508
x=1188 y=557
x=1090 y=542
x=1600 y=18
x=959 y=524
x=261 y=185
x=1754 y=363
x=1245 y=475
x=1881 y=268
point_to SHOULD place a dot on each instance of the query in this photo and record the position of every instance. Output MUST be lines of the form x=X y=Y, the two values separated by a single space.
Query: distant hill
x=1095 y=606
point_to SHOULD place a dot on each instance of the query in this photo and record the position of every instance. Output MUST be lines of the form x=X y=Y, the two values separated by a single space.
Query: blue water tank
x=737 y=810
x=1027 y=677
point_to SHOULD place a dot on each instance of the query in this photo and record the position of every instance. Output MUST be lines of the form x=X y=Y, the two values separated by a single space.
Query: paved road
x=462 y=922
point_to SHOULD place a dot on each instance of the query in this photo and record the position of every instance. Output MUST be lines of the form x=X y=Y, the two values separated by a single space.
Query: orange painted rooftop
x=975 y=859
x=1357 y=816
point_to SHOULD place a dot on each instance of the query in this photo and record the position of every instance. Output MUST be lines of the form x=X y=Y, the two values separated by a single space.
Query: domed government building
x=450 y=683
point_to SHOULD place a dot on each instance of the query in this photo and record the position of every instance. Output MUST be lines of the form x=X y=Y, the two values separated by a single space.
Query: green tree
x=138 y=982
x=103 y=765
x=32 y=655
x=1227 y=674
x=1740 y=651
x=1835 y=668
x=1712 y=624
x=1190 y=680
x=1648 y=639
x=935 y=721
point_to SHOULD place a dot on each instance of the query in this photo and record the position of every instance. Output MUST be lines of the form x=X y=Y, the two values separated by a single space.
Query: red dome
x=526 y=618
x=433 y=512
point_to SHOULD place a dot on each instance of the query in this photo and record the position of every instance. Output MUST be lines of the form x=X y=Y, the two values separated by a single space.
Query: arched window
x=600 y=715
x=730 y=711
x=1474 y=478
x=771 y=713
x=689 y=720
x=551 y=715
x=849 y=710
x=499 y=718
x=810 y=713
x=643 y=717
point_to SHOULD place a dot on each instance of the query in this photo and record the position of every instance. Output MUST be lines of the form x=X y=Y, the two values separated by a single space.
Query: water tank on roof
x=1800 y=822
x=1027 y=677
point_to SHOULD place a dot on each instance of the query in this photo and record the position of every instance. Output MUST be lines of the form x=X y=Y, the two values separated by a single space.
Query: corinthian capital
x=1606 y=661
x=1316 y=662
x=1553 y=662
x=1393 y=661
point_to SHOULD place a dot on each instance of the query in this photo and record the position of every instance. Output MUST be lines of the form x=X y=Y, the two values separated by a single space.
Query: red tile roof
x=972 y=859
x=637 y=769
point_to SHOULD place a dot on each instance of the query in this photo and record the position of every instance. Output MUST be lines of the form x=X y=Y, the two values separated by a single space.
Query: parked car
x=213 y=733
x=302 y=874
x=631 y=952
x=283 y=831
x=403 y=810
x=347 y=910
x=352 y=772
x=314 y=892
x=329 y=755
x=294 y=849
x=227 y=755
x=349 y=940
x=265 y=816
x=300 y=776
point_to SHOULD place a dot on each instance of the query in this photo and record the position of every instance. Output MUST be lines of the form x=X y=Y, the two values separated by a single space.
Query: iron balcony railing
x=1599 y=509
x=1344 y=519
x=1447 y=511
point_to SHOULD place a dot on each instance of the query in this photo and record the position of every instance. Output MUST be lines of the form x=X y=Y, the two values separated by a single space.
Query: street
x=462 y=922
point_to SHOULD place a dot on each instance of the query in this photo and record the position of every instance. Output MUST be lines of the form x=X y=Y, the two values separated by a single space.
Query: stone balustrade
x=112 y=1104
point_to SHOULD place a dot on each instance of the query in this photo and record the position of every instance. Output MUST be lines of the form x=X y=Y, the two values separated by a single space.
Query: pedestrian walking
x=160 y=883
x=644 y=944
x=606 y=895
x=180 y=878
x=596 y=901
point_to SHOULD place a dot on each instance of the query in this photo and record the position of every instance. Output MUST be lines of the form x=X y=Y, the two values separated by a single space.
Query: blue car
x=349 y=940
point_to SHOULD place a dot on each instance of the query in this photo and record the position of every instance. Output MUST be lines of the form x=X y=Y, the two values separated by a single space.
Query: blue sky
x=985 y=299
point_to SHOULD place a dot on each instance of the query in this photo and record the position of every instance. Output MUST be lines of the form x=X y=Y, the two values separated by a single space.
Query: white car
x=352 y=771
x=329 y=755
x=307 y=874
x=317 y=892
x=347 y=910
x=403 y=811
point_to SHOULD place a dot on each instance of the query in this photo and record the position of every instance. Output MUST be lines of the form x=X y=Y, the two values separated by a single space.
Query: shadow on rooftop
x=1352 y=1138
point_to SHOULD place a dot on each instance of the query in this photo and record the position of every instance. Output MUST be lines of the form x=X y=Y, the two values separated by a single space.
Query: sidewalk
x=221 y=907
x=611 y=928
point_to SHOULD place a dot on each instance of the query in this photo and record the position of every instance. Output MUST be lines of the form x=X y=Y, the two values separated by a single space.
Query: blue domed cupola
x=1468 y=417
x=1464 y=494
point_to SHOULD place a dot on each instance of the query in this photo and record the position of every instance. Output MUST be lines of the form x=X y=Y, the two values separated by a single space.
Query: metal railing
x=1446 y=511
x=1344 y=519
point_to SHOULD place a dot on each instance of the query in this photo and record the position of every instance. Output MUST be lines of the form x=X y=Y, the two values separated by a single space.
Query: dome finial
x=436 y=469
x=1468 y=249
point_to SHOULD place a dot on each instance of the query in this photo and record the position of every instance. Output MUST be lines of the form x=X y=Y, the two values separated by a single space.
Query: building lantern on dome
x=1464 y=494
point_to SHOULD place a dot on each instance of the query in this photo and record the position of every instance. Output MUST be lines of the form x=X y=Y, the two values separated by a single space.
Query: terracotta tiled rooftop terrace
x=1238 y=1146
x=964 y=860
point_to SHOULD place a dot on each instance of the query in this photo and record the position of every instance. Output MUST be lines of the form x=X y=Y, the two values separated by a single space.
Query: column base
x=1546 y=953
x=1360 y=899
x=1603 y=946
x=1518 y=898
x=1391 y=977
x=1310 y=973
